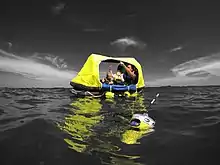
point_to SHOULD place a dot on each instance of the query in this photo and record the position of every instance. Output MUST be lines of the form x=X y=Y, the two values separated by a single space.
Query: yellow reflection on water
x=86 y=116
x=130 y=135
x=122 y=130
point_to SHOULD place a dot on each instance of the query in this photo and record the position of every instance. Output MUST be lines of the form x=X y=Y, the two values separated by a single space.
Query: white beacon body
x=142 y=121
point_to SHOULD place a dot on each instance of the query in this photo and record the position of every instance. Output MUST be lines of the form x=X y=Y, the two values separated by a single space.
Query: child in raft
x=109 y=77
x=113 y=78
x=118 y=78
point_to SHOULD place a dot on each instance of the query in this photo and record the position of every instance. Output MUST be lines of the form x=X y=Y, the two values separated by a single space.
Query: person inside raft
x=109 y=77
x=130 y=76
x=118 y=77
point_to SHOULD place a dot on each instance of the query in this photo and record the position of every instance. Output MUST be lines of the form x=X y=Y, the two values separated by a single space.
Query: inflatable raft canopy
x=88 y=78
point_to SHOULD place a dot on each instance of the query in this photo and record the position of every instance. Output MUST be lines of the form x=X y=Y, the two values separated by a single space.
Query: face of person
x=130 y=67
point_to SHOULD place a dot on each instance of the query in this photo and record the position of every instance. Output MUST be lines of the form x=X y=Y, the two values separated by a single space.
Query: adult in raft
x=130 y=75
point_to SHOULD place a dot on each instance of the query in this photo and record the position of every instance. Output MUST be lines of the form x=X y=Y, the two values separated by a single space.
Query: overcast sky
x=41 y=42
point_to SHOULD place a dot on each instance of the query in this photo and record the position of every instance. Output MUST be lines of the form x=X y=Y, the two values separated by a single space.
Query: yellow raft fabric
x=89 y=74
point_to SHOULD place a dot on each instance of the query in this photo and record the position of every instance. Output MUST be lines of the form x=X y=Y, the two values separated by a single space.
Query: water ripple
x=185 y=116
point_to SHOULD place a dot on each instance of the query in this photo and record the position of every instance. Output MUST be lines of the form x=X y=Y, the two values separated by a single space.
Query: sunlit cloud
x=6 y=54
x=193 y=72
x=33 y=69
x=9 y=44
x=209 y=64
x=123 y=43
x=176 y=49
x=46 y=57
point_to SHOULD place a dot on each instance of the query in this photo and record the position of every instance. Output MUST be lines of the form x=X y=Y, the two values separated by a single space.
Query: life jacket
x=118 y=79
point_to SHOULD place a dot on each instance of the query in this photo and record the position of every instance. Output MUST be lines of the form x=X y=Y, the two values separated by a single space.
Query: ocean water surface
x=49 y=126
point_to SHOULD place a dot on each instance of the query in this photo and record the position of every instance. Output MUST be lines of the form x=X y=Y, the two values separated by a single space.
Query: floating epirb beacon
x=142 y=121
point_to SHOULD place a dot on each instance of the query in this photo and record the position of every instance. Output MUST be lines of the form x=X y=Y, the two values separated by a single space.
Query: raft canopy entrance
x=113 y=64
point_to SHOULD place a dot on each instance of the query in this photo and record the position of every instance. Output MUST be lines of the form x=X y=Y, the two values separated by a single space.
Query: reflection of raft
x=80 y=125
x=87 y=81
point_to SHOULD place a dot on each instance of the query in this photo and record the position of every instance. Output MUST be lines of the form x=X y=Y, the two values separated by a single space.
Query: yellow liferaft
x=89 y=73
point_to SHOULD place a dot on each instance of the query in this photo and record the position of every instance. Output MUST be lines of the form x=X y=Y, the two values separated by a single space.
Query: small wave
x=209 y=121
x=15 y=122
